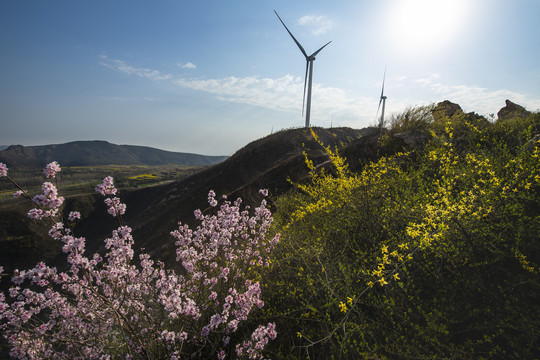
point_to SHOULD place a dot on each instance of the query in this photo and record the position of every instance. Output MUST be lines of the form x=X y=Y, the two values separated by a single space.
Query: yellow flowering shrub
x=424 y=253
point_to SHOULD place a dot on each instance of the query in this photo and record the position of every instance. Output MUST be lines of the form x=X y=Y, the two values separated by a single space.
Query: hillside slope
x=87 y=153
x=264 y=163
x=153 y=212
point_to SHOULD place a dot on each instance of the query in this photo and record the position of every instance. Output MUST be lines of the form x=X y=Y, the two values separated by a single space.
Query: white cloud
x=188 y=65
x=429 y=80
x=265 y=92
x=121 y=66
x=317 y=25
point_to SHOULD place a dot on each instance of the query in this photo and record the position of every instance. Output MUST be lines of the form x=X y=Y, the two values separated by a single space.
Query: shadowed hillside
x=153 y=212
x=265 y=163
x=84 y=153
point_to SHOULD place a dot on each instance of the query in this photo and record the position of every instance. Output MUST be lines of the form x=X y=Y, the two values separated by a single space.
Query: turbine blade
x=384 y=77
x=290 y=33
x=378 y=108
x=316 y=52
x=305 y=83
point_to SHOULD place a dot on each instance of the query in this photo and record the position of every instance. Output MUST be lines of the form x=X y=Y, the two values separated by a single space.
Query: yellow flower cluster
x=525 y=263
x=388 y=258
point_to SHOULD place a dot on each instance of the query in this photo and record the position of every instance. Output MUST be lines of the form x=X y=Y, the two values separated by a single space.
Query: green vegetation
x=431 y=251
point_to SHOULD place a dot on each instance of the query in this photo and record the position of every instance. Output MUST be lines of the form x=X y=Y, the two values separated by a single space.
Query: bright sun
x=424 y=24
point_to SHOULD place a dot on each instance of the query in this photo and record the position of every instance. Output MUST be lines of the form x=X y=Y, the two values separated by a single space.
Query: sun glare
x=417 y=25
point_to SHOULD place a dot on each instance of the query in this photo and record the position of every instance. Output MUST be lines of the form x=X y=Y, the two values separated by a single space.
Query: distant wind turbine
x=309 y=69
x=383 y=101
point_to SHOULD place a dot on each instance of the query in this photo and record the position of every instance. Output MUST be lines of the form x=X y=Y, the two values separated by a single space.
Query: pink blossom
x=215 y=320
x=168 y=336
x=211 y=198
x=56 y=202
x=74 y=215
x=205 y=331
x=259 y=339
x=3 y=169
x=232 y=326
x=107 y=187
x=49 y=189
x=224 y=273
x=56 y=230
x=41 y=200
x=18 y=278
x=18 y=193
x=36 y=214
x=115 y=207
x=182 y=336
x=51 y=169
x=49 y=198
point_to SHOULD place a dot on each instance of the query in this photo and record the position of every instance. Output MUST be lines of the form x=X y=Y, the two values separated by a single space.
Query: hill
x=265 y=163
x=87 y=153
x=154 y=211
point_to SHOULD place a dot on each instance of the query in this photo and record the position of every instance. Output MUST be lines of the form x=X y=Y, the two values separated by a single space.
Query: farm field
x=81 y=180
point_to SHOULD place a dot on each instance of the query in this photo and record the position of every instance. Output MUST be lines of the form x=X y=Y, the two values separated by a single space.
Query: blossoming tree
x=112 y=306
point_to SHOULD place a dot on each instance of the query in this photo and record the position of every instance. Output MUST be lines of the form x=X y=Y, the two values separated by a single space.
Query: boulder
x=445 y=109
x=512 y=111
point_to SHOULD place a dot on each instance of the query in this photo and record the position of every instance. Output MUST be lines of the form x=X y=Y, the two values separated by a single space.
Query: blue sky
x=211 y=76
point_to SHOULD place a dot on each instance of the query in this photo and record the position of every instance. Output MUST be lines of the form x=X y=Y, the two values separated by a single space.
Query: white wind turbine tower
x=383 y=101
x=309 y=69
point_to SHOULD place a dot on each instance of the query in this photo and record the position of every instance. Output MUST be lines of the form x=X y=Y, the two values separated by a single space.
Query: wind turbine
x=309 y=70
x=383 y=101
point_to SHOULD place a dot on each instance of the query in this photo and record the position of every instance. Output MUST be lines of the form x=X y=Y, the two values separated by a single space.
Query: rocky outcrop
x=447 y=109
x=512 y=111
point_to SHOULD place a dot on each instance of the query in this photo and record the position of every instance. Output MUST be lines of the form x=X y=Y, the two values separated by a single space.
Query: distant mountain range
x=87 y=153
